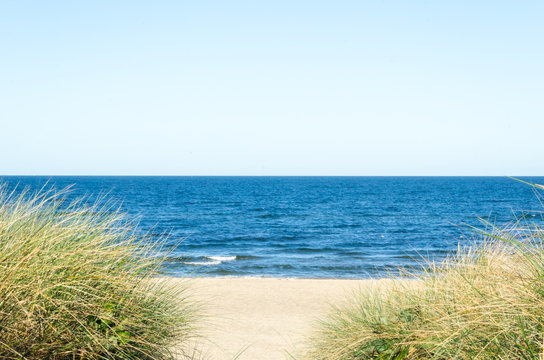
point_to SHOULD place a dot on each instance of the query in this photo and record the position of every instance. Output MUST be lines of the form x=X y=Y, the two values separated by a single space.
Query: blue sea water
x=315 y=227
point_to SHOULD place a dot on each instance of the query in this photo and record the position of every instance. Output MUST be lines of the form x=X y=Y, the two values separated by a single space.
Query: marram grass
x=486 y=302
x=77 y=282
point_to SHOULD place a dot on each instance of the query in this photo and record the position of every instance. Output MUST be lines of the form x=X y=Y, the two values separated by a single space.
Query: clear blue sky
x=272 y=87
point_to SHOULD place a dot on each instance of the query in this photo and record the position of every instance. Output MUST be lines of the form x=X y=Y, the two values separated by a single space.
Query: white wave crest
x=203 y=263
x=221 y=258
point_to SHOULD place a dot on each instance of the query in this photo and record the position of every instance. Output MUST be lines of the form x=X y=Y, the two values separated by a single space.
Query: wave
x=207 y=260
x=221 y=258
x=216 y=259
x=203 y=263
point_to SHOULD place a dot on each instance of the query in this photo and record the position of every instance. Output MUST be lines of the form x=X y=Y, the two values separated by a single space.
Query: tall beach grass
x=78 y=282
x=486 y=302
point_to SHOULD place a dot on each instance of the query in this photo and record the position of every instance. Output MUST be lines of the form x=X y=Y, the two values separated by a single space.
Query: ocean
x=306 y=227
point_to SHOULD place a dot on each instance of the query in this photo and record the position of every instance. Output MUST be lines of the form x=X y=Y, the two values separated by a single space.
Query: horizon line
x=215 y=175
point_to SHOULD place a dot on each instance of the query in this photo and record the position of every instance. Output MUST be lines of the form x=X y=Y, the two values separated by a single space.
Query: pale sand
x=267 y=318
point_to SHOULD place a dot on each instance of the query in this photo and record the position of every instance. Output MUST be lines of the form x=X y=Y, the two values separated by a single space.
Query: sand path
x=264 y=318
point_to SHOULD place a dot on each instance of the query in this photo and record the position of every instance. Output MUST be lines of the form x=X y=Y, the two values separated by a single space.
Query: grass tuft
x=78 y=282
x=486 y=302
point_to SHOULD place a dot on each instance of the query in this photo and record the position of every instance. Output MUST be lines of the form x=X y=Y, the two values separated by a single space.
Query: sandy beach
x=264 y=318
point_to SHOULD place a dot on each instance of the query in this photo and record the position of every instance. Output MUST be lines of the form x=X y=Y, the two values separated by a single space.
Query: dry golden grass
x=486 y=302
x=75 y=284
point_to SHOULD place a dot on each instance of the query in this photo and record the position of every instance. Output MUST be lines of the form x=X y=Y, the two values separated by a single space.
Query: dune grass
x=77 y=282
x=486 y=302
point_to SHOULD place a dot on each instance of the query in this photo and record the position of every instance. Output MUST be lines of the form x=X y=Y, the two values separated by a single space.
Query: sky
x=272 y=87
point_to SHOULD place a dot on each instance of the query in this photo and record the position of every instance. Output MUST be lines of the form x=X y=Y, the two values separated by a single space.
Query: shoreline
x=265 y=318
x=226 y=277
